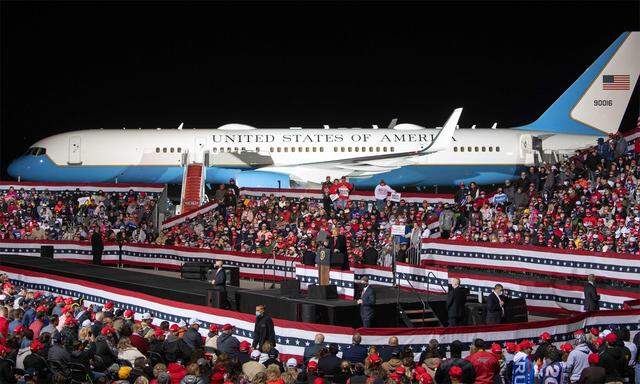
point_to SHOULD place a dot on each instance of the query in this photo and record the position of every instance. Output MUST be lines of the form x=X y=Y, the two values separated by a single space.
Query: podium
x=324 y=265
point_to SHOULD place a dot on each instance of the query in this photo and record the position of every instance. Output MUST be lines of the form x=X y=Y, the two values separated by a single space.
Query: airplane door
x=74 y=150
x=199 y=150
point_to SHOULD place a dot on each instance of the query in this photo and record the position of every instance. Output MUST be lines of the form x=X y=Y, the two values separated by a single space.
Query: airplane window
x=314 y=149
x=484 y=149
x=377 y=149
x=214 y=150
x=286 y=149
x=157 y=149
x=468 y=149
x=229 y=149
x=299 y=149
x=279 y=149
x=341 y=149
x=257 y=149
x=497 y=149
x=490 y=149
x=164 y=150
x=321 y=149
x=477 y=149
x=38 y=151
x=243 y=149
x=307 y=149
x=461 y=149
x=356 y=149
x=370 y=149
x=171 y=149
x=455 y=149
x=349 y=149
x=179 y=150
x=364 y=149
x=271 y=149
x=384 y=149
x=235 y=149
x=392 y=149
x=335 y=149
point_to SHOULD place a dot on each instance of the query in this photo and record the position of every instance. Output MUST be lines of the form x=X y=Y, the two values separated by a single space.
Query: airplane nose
x=15 y=168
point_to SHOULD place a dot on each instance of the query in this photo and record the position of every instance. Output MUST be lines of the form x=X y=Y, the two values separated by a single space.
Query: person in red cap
x=523 y=370
x=613 y=359
x=244 y=352
x=455 y=374
x=36 y=360
x=543 y=343
x=594 y=373
x=486 y=364
x=211 y=341
x=228 y=343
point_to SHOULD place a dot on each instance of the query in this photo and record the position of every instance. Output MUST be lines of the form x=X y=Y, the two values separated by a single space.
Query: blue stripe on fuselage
x=41 y=168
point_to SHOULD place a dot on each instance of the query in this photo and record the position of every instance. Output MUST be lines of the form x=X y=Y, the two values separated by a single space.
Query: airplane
x=401 y=154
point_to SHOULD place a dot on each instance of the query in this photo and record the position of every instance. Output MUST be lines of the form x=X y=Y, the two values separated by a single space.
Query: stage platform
x=294 y=307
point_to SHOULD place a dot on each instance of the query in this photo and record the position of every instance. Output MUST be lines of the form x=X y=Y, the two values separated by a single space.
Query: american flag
x=616 y=82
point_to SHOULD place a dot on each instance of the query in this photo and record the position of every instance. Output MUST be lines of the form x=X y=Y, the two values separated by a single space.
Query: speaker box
x=46 y=251
x=475 y=313
x=233 y=275
x=290 y=288
x=307 y=313
x=322 y=292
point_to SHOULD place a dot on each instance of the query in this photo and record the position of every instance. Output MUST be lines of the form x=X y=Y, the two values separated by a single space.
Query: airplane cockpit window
x=36 y=151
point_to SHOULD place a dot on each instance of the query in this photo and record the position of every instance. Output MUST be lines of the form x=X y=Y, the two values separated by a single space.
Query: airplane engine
x=258 y=179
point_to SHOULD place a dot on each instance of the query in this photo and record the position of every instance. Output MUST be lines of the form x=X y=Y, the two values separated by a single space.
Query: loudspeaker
x=322 y=292
x=475 y=313
x=46 y=251
x=233 y=275
x=515 y=310
x=307 y=313
x=289 y=287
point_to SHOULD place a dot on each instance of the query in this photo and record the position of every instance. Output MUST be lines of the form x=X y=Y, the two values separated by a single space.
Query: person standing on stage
x=381 y=193
x=456 y=298
x=219 y=281
x=367 y=301
x=591 y=297
x=263 y=330
x=495 y=306
x=96 y=246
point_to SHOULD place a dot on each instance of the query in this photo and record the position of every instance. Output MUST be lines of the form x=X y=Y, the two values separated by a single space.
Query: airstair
x=193 y=180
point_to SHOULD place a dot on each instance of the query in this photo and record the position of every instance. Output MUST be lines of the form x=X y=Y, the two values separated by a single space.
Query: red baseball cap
x=594 y=331
x=496 y=348
x=611 y=338
x=158 y=332
x=227 y=327
x=525 y=344
x=593 y=358
x=545 y=336
x=58 y=299
x=68 y=301
x=174 y=328
x=578 y=332
x=244 y=345
x=36 y=345
x=18 y=329
x=4 y=349
x=312 y=365
x=213 y=328
x=510 y=346
x=401 y=370
x=374 y=358
x=128 y=314
x=69 y=321
x=107 y=331
x=455 y=371
x=108 y=305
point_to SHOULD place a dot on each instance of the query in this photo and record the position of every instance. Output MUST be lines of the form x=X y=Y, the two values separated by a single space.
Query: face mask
x=258 y=313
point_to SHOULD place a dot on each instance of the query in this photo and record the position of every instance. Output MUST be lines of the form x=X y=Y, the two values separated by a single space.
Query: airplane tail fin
x=595 y=103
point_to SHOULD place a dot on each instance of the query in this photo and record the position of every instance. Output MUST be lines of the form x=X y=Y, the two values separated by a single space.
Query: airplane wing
x=366 y=166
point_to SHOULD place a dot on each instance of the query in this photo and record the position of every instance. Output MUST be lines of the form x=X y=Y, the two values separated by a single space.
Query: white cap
x=86 y=323
x=181 y=323
x=604 y=333
x=193 y=320
x=255 y=354
x=146 y=316
x=292 y=362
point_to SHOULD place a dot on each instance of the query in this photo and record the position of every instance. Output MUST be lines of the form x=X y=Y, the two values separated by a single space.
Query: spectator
x=227 y=343
x=313 y=349
x=381 y=194
x=355 y=353
x=593 y=374
x=485 y=364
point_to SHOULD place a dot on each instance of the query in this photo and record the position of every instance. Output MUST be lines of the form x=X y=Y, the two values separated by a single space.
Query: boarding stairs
x=418 y=314
x=193 y=180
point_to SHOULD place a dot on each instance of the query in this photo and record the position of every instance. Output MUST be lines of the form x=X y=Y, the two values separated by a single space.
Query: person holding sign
x=381 y=192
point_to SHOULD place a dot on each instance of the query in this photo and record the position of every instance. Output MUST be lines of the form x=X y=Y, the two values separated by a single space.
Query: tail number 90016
x=602 y=103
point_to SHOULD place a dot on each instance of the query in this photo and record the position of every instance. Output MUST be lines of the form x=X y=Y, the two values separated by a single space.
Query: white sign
x=333 y=196
x=395 y=197
x=398 y=230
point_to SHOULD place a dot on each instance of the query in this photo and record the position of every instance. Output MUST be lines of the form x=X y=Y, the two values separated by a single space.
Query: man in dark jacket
x=468 y=372
x=36 y=363
x=313 y=349
x=367 y=301
x=105 y=347
x=263 y=330
x=495 y=306
x=219 y=281
x=613 y=360
x=591 y=297
x=456 y=298
x=6 y=371
x=175 y=347
x=356 y=353
x=330 y=363
x=58 y=352
x=593 y=374
x=273 y=358
x=227 y=343
x=96 y=246
x=192 y=337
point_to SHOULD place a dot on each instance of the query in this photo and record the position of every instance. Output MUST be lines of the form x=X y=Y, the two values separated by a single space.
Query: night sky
x=69 y=66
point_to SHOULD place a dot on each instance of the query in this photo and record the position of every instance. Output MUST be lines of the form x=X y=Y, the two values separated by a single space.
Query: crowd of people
x=30 y=214
x=54 y=339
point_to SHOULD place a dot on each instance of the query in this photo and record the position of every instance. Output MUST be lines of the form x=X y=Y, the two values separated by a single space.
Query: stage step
x=193 y=187
x=414 y=315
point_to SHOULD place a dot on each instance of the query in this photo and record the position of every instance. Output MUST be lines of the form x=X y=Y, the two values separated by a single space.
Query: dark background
x=69 y=66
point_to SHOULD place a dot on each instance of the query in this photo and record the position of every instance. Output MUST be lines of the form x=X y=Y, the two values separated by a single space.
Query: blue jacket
x=355 y=354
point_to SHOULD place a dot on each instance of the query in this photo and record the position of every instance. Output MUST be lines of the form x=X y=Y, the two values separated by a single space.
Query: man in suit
x=591 y=297
x=495 y=306
x=96 y=246
x=456 y=298
x=219 y=281
x=367 y=301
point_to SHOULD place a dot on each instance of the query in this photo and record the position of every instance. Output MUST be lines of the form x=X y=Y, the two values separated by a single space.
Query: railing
x=264 y=272
x=429 y=274
x=415 y=293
